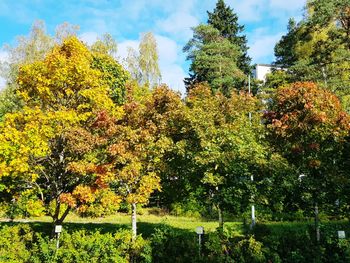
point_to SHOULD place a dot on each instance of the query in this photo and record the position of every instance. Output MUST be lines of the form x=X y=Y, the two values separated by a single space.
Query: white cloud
x=178 y=24
x=262 y=47
x=249 y=10
x=258 y=10
x=89 y=37
x=295 y=6
x=173 y=75
x=167 y=49
x=169 y=63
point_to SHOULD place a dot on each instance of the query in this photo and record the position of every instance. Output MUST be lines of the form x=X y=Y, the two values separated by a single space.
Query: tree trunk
x=56 y=220
x=221 y=219
x=317 y=223
x=133 y=221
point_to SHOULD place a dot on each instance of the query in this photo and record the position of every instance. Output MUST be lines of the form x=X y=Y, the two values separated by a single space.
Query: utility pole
x=251 y=177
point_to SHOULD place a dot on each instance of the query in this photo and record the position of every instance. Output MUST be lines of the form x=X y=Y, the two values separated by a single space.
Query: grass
x=146 y=223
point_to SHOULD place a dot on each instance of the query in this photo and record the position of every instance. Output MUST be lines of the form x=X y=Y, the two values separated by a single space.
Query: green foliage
x=317 y=48
x=213 y=60
x=113 y=74
x=294 y=242
x=20 y=244
x=15 y=243
x=9 y=101
x=224 y=145
x=225 y=20
x=175 y=245
x=229 y=246
x=26 y=204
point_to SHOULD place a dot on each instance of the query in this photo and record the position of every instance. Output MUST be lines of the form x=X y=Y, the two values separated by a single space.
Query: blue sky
x=265 y=22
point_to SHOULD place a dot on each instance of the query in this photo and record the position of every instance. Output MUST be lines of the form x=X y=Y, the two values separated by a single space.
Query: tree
x=133 y=149
x=9 y=101
x=106 y=45
x=224 y=147
x=113 y=74
x=226 y=21
x=309 y=127
x=28 y=49
x=148 y=59
x=213 y=59
x=61 y=95
x=284 y=49
x=143 y=65
x=317 y=50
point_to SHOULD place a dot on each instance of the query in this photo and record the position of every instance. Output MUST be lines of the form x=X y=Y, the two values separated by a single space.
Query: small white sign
x=200 y=230
x=341 y=234
x=58 y=229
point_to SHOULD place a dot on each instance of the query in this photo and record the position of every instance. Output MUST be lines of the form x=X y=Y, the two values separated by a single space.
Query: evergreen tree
x=226 y=21
x=214 y=60
x=317 y=48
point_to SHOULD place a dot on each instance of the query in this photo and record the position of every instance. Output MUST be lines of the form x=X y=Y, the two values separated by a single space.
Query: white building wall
x=261 y=70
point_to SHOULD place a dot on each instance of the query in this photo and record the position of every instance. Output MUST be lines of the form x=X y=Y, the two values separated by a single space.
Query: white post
x=200 y=232
x=133 y=221
x=58 y=241
x=251 y=177
x=253 y=208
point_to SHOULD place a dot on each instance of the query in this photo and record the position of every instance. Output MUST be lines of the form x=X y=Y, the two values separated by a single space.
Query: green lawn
x=146 y=223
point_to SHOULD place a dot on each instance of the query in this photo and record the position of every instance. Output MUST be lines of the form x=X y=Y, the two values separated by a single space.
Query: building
x=261 y=70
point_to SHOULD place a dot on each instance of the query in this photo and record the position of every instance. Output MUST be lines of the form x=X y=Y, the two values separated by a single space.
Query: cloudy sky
x=265 y=22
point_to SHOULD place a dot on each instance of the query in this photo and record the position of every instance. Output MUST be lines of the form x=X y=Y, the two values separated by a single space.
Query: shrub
x=174 y=245
x=15 y=243
x=248 y=250
x=25 y=205
x=229 y=246
x=20 y=244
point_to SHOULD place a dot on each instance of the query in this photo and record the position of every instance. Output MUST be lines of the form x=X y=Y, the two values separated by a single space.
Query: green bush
x=228 y=246
x=174 y=245
x=191 y=208
x=248 y=250
x=25 y=205
x=296 y=242
x=20 y=244
x=15 y=243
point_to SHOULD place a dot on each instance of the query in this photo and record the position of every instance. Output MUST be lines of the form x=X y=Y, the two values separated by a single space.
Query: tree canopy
x=214 y=60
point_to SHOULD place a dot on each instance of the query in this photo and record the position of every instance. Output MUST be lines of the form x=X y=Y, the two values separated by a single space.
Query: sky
x=265 y=21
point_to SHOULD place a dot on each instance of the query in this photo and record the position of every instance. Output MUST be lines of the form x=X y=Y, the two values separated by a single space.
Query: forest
x=129 y=167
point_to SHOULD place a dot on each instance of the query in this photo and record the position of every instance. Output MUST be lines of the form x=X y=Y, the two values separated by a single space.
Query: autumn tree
x=317 y=48
x=308 y=126
x=62 y=93
x=134 y=147
x=28 y=49
x=144 y=64
x=213 y=60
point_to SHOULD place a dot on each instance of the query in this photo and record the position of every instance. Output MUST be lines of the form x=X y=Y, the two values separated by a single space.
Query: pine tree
x=214 y=60
x=226 y=21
